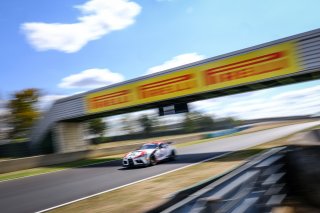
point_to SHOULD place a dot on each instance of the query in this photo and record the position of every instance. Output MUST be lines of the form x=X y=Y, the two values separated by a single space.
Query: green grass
x=54 y=168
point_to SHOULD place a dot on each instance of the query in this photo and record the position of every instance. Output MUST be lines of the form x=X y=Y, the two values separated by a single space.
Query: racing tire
x=152 y=160
x=172 y=156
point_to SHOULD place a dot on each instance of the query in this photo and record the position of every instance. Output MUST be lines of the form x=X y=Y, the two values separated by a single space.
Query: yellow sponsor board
x=261 y=64
x=257 y=65
x=146 y=91
x=114 y=98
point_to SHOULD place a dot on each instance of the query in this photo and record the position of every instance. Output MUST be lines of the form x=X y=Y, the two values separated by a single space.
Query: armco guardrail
x=226 y=132
x=233 y=190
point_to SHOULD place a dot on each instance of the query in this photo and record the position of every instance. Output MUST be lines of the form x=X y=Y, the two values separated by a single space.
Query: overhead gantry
x=284 y=61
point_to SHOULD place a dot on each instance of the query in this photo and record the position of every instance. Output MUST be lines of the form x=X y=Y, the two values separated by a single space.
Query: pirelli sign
x=270 y=62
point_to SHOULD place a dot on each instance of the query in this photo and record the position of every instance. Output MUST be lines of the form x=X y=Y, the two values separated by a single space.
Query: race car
x=149 y=154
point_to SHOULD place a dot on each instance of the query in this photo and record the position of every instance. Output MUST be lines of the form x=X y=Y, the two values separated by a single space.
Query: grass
x=145 y=195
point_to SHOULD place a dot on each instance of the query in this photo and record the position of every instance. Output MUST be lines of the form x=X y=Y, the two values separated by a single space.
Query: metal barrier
x=257 y=186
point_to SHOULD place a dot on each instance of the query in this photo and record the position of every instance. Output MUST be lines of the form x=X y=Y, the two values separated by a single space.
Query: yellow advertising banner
x=270 y=62
x=257 y=65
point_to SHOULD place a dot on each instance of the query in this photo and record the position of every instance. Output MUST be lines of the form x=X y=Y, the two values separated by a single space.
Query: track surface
x=40 y=192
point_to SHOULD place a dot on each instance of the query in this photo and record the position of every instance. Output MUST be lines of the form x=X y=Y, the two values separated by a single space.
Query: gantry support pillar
x=70 y=137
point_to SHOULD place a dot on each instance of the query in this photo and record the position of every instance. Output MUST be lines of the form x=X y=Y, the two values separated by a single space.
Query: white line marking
x=193 y=164
x=235 y=134
x=119 y=187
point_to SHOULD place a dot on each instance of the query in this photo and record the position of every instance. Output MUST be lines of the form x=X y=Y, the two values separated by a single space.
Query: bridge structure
x=285 y=61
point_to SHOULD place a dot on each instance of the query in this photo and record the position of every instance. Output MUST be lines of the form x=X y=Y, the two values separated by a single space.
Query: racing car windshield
x=149 y=146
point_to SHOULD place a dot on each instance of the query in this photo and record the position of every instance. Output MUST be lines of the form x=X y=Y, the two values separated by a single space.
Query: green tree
x=146 y=123
x=195 y=121
x=127 y=124
x=23 y=112
x=205 y=122
x=228 y=122
x=189 y=124
x=97 y=127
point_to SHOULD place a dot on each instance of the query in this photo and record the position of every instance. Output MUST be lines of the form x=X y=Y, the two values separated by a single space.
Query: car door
x=162 y=151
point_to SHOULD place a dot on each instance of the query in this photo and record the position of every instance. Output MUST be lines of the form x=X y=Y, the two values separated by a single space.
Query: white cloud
x=91 y=78
x=205 y=105
x=47 y=100
x=99 y=17
x=297 y=94
x=250 y=106
x=176 y=61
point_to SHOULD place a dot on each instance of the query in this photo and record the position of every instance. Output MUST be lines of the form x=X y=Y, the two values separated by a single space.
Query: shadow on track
x=186 y=159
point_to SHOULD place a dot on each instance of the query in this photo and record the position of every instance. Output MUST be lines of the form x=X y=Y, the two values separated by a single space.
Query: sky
x=67 y=47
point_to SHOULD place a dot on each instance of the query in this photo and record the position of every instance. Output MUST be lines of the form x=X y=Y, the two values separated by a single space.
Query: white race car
x=149 y=154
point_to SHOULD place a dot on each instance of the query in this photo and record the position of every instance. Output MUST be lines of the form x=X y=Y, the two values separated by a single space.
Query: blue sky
x=65 y=47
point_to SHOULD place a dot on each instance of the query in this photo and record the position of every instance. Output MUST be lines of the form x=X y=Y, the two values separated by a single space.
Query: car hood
x=139 y=152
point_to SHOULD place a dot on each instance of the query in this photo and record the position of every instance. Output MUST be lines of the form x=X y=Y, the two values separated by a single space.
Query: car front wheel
x=152 y=161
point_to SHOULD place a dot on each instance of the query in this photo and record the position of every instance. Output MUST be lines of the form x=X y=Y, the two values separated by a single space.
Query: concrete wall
x=41 y=160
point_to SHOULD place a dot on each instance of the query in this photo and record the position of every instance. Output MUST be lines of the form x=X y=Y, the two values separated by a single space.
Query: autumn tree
x=23 y=112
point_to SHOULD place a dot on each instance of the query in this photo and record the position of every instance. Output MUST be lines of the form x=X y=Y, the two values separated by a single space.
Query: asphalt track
x=41 y=192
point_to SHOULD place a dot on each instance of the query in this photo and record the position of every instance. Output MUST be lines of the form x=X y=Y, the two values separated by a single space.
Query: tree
x=146 y=123
x=205 y=122
x=195 y=121
x=23 y=112
x=127 y=124
x=228 y=122
x=188 y=124
x=97 y=127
